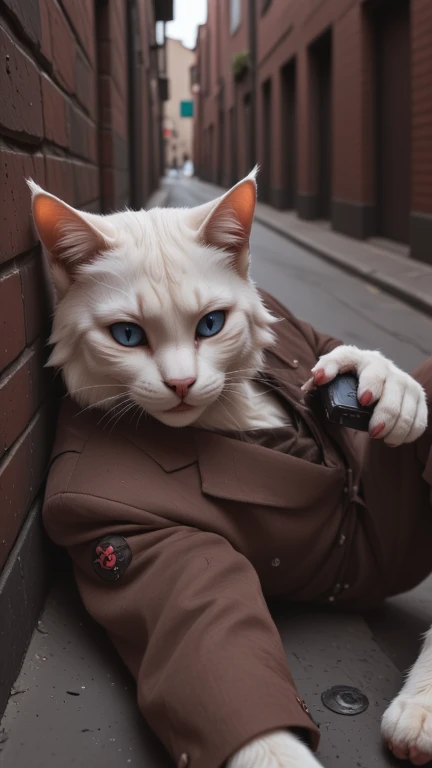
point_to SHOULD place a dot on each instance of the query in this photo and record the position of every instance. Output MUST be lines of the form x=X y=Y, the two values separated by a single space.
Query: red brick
x=55 y=114
x=12 y=328
x=63 y=47
x=37 y=295
x=83 y=135
x=20 y=92
x=22 y=391
x=81 y=16
x=21 y=474
x=16 y=231
x=85 y=84
x=27 y=16
x=421 y=126
x=46 y=47
x=87 y=183
x=60 y=178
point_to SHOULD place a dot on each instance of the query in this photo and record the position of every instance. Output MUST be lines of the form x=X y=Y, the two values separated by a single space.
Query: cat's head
x=155 y=308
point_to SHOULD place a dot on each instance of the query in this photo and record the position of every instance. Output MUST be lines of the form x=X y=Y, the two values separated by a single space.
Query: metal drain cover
x=345 y=700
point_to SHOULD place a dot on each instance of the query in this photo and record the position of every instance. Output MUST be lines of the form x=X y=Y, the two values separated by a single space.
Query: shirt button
x=342 y=540
x=276 y=562
x=184 y=761
x=346 y=586
x=331 y=599
x=295 y=363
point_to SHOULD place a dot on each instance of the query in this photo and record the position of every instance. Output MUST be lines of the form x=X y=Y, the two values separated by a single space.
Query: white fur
x=165 y=269
x=407 y=723
x=400 y=400
x=279 y=749
x=157 y=271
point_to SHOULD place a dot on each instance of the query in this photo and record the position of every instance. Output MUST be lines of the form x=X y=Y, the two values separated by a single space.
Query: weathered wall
x=375 y=86
x=65 y=122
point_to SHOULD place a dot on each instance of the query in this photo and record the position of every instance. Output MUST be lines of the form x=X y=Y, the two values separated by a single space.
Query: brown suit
x=207 y=525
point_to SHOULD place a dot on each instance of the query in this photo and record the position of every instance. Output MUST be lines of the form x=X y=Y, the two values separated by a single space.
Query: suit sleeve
x=188 y=617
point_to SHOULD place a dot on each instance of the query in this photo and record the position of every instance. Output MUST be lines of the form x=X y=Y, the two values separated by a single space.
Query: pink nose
x=181 y=386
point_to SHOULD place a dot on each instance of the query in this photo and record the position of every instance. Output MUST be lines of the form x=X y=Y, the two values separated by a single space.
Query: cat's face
x=155 y=309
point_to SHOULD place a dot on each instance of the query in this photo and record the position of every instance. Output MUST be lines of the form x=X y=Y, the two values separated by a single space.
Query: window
x=235 y=15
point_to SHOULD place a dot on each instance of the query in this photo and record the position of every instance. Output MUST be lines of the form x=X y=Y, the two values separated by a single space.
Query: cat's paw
x=400 y=414
x=279 y=749
x=407 y=728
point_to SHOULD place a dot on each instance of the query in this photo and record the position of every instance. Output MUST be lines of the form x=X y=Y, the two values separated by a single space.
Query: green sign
x=186 y=109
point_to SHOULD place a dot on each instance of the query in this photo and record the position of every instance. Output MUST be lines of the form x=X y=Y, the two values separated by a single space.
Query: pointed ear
x=229 y=223
x=71 y=238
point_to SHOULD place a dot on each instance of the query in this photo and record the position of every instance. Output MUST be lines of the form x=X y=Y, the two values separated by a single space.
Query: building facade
x=80 y=113
x=334 y=99
x=178 y=127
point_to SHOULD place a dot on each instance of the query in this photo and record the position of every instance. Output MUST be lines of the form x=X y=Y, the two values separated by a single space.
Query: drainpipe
x=253 y=81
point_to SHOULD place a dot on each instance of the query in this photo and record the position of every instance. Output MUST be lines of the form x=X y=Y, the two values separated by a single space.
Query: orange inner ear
x=242 y=202
x=48 y=213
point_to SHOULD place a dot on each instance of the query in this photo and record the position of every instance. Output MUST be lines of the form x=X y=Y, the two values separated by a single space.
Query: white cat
x=186 y=272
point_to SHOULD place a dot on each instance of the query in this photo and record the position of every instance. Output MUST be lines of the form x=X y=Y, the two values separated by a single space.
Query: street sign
x=186 y=108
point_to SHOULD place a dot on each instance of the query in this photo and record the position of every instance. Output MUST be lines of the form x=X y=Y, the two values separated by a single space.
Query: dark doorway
x=247 y=118
x=210 y=156
x=136 y=192
x=221 y=146
x=288 y=137
x=321 y=118
x=321 y=61
x=233 y=147
x=265 y=174
x=393 y=119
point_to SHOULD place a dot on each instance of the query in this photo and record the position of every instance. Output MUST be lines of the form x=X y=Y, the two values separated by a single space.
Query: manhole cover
x=345 y=700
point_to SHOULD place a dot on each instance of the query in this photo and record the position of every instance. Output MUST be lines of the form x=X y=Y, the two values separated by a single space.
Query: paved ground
x=73 y=704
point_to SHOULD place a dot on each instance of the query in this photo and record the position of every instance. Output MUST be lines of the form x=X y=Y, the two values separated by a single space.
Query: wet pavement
x=74 y=706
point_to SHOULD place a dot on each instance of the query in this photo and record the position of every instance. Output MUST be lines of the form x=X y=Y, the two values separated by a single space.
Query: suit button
x=184 y=761
x=276 y=562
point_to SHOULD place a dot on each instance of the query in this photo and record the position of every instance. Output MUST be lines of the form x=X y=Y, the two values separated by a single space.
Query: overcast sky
x=187 y=15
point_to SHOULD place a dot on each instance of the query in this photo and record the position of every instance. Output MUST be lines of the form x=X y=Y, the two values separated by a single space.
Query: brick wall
x=375 y=81
x=64 y=122
x=421 y=37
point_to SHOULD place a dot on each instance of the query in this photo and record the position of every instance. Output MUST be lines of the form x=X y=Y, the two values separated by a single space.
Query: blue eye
x=211 y=324
x=128 y=334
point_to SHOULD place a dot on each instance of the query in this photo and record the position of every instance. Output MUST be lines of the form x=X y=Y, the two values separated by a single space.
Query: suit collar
x=235 y=470
x=171 y=448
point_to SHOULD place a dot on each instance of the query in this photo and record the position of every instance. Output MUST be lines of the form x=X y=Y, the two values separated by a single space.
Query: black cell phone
x=341 y=403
